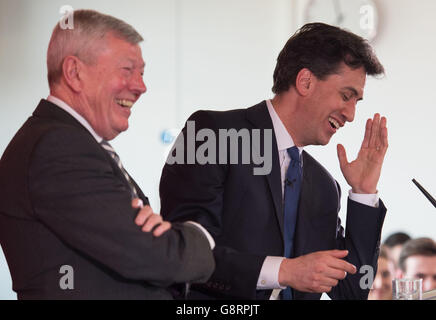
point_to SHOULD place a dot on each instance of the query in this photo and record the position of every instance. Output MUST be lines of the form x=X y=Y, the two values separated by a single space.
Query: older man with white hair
x=73 y=223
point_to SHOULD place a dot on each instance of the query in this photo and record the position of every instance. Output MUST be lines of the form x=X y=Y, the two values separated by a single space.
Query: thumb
x=342 y=155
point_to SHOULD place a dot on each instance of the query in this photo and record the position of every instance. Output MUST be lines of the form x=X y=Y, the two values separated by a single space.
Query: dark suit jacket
x=64 y=201
x=244 y=213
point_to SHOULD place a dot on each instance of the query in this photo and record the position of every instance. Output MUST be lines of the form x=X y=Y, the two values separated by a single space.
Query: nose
x=137 y=85
x=349 y=111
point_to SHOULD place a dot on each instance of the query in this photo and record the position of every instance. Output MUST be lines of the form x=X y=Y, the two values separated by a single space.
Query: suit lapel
x=318 y=208
x=46 y=109
x=259 y=116
x=140 y=193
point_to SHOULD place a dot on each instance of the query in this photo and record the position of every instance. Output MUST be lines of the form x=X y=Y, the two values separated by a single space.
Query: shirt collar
x=284 y=139
x=61 y=104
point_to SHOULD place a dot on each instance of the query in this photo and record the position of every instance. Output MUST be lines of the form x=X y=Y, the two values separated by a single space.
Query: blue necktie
x=292 y=195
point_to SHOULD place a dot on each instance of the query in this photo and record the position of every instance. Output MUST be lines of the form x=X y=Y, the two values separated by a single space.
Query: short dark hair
x=416 y=247
x=321 y=48
x=397 y=238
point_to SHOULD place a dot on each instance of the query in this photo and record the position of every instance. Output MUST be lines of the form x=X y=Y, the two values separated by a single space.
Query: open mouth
x=124 y=103
x=334 y=124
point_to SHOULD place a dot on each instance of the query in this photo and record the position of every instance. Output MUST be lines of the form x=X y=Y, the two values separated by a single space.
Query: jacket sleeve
x=75 y=193
x=362 y=239
x=193 y=191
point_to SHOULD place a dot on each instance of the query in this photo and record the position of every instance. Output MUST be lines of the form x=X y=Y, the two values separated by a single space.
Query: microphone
x=427 y=195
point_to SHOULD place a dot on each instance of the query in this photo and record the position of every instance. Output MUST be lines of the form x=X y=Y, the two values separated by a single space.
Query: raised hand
x=363 y=173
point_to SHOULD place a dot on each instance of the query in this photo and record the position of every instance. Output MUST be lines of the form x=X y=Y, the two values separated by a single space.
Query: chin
x=326 y=141
x=321 y=142
x=113 y=133
x=123 y=126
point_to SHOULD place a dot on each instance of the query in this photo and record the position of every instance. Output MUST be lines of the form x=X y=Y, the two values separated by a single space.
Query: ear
x=305 y=81
x=72 y=69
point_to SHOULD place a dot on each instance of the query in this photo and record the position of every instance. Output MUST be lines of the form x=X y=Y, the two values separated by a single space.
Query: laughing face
x=329 y=105
x=112 y=85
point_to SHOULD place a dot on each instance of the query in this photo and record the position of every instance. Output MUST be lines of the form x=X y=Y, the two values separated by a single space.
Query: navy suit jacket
x=244 y=213
x=64 y=201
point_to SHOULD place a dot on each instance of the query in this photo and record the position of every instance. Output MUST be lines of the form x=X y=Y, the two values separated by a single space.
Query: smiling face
x=111 y=86
x=422 y=267
x=328 y=105
x=382 y=285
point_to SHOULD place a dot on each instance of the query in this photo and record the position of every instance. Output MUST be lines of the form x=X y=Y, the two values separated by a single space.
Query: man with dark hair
x=394 y=243
x=338 y=46
x=418 y=260
x=281 y=230
x=68 y=208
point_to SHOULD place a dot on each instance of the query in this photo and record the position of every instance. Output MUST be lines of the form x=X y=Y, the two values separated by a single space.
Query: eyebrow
x=142 y=65
x=354 y=91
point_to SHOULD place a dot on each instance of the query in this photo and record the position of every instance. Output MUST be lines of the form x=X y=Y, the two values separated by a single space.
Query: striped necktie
x=117 y=160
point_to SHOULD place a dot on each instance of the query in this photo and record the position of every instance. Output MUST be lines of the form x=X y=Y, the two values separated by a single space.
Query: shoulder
x=235 y=118
x=319 y=172
x=56 y=142
x=218 y=117
x=67 y=153
x=46 y=134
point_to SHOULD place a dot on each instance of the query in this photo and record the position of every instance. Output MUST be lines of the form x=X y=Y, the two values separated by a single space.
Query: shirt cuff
x=269 y=274
x=205 y=232
x=371 y=200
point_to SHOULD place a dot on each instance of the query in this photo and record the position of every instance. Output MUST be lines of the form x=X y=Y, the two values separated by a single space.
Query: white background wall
x=220 y=54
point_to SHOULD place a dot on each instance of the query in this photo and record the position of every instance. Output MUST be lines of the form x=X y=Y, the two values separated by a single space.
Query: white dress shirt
x=61 y=104
x=269 y=274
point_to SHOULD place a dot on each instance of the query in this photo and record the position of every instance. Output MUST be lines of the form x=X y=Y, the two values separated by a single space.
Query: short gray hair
x=90 y=27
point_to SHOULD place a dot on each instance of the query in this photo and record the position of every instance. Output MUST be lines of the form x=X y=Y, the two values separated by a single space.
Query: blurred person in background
x=382 y=285
x=393 y=245
x=418 y=260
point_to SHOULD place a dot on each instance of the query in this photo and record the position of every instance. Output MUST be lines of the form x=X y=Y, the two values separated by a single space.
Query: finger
x=342 y=265
x=336 y=274
x=342 y=155
x=375 y=134
x=324 y=289
x=162 y=228
x=384 y=133
x=137 y=203
x=143 y=215
x=151 y=222
x=367 y=136
x=337 y=261
x=328 y=282
x=337 y=253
